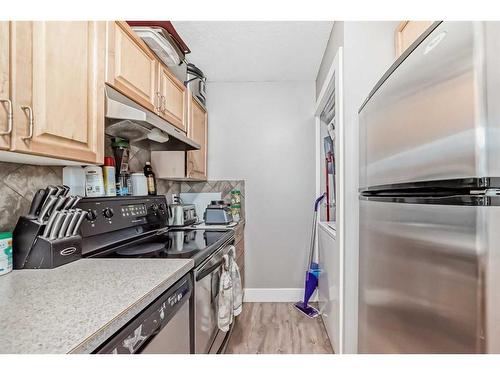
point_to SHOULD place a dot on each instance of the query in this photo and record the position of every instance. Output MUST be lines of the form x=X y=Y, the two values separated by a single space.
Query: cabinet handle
x=31 y=121
x=157 y=102
x=10 y=117
x=163 y=107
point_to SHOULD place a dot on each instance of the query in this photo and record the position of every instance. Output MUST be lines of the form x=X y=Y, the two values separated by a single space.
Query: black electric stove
x=196 y=244
x=136 y=227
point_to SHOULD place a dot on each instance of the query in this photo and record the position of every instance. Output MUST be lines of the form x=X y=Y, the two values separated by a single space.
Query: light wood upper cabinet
x=58 y=89
x=407 y=32
x=196 y=167
x=172 y=98
x=5 y=94
x=132 y=67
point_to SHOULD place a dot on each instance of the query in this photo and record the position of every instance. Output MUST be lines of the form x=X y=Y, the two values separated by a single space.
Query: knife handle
x=57 y=225
x=46 y=208
x=59 y=190
x=65 y=224
x=49 y=224
x=66 y=190
x=83 y=214
x=51 y=189
x=75 y=202
x=59 y=203
x=69 y=202
x=73 y=222
x=36 y=203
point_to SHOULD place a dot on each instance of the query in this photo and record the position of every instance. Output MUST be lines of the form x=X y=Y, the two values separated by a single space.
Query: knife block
x=30 y=250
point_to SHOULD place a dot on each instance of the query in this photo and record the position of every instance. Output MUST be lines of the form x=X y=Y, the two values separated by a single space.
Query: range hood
x=144 y=129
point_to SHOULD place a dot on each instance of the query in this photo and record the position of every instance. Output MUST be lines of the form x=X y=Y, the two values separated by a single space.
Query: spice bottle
x=150 y=176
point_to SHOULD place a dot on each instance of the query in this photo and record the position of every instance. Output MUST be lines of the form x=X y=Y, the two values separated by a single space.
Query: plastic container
x=74 y=177
x=94 y=182
x=108 y=172
x=5 y=252
x=123 y=184
x=139 y=184
x=151 y=179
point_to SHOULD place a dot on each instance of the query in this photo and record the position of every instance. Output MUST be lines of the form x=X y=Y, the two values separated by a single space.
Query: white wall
x=368 y=53
x=368 y=50
x=263 y=132
x=335 y=41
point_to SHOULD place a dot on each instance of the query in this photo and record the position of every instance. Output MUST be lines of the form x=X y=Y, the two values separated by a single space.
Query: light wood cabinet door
x=132 y=67
x=59 y=89
x=172 y=98
x=407 y=32
x=198 y=131
x=5 y=95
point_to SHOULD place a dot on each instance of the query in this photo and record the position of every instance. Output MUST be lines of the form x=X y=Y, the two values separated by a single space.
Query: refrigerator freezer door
x=432 y=116
x=422 y=278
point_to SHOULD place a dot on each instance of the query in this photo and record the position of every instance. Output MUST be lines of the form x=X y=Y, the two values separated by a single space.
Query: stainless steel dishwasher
x=161 y=328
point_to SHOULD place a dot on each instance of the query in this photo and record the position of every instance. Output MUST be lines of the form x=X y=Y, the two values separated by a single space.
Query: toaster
x=218 y=213
x=181 y=215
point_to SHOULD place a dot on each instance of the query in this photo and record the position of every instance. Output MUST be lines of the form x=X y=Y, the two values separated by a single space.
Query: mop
x=312 y=274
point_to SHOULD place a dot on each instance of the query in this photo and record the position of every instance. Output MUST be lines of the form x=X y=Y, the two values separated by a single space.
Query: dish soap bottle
x=150 y=177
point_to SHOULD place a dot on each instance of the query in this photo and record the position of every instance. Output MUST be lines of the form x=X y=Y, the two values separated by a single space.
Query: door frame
x=334 y=81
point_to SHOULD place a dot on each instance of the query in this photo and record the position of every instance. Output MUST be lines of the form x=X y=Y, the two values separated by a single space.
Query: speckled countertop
x=76 y=307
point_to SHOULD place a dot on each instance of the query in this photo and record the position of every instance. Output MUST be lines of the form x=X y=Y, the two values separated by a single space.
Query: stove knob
x=108 y=212
x=154 y=207
x=162 y=206
x=91 y=215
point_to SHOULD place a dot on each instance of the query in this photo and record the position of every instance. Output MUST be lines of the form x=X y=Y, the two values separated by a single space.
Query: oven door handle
x=209 y=270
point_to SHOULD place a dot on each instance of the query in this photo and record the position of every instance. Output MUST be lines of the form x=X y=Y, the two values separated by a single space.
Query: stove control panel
x=109 y=214
x=134 y=209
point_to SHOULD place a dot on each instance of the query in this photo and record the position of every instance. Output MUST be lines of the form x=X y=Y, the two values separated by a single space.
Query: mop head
x=307 y=310
x=311 y=284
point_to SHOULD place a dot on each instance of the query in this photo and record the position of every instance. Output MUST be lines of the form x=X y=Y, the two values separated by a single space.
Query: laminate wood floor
x=277 y=328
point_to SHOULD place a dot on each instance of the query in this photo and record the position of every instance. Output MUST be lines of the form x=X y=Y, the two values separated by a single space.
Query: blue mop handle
x=318 y=201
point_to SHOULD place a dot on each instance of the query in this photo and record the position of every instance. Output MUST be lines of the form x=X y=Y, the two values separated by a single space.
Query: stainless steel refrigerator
x=429 y=261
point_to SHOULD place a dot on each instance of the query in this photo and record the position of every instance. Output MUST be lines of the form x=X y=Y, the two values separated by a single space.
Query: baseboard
x=275 y=295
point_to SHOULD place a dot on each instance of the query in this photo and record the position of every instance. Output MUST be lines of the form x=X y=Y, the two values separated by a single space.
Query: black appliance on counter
x=136 y=227
x=218 y=213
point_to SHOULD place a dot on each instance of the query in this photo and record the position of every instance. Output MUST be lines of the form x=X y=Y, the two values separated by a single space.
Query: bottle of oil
x=150 y=177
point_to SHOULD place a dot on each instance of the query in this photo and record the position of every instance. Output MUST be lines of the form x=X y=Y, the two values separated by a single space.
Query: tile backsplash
x=223 y=186
x=19 y=182
x=168 y=188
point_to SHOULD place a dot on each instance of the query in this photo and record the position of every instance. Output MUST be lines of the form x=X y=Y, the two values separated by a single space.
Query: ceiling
x=233 y=51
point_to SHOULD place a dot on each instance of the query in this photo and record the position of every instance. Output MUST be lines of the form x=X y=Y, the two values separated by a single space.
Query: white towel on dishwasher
x=225 y=308
x=234 y=270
